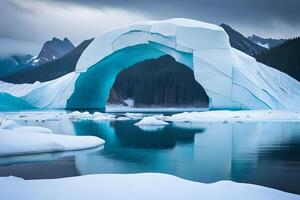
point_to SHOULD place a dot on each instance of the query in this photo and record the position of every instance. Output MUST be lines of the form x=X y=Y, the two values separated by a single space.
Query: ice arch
x=231 y=79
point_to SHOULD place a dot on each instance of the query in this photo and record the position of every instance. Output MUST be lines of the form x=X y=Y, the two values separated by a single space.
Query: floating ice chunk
x=103 y=116
x=151 y=121
x=123 y=118
x=79 y=115
x=42 y=157
x=134 y=115
x=17 y=143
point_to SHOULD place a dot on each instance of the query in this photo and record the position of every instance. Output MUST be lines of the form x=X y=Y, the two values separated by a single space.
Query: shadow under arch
x=93 y=86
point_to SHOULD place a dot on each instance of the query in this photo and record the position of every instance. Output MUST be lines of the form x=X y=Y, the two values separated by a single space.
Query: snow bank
x=247 y=115
x=151 y=121
x=148 y=186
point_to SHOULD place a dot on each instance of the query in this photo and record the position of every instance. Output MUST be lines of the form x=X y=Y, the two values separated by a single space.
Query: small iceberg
x=134 y=115
x=98 y=116
x=79 y=115
x=151 y=121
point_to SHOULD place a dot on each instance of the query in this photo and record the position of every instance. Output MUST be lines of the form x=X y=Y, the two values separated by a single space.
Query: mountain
x=285 y=57
x=266 y=42
x=14 y=63
x=52 y=50
x=240 y=42
x=158 y=82
x=49 y=70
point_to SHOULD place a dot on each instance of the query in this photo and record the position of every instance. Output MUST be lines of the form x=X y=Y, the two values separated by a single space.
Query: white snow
x=151 y=121
x=245 y=115
x=147 y=186
x=129 y=102
x=266 y=45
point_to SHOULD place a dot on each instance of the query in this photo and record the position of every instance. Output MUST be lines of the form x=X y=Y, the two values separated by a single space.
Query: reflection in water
x=260 y=153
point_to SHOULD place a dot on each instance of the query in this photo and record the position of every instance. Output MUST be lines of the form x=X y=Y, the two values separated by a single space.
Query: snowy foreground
x=20 y=140
x=133 y=186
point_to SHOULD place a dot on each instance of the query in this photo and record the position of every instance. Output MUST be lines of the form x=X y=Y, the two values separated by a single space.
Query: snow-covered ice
x=133 y=186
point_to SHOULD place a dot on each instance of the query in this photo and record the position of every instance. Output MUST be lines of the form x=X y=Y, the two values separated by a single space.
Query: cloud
x=36 y=21
x=39 y=21
x=272 y=18
x=11 y=46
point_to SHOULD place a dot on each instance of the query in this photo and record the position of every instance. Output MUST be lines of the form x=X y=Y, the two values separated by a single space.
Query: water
x=261 y=153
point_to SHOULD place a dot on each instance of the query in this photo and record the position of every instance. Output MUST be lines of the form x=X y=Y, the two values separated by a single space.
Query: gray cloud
x=274 y=18
x=35 y=21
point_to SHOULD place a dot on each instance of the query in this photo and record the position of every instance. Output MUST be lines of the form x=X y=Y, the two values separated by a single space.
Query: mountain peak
x=53 y=49
x=266 y=42
x=240 y=42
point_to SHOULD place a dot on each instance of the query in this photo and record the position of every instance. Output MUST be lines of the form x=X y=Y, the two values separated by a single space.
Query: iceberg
x=231 y=79
x=151 y=121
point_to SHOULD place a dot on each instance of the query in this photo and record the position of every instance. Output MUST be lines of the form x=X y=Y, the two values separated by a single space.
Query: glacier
x=231 y=79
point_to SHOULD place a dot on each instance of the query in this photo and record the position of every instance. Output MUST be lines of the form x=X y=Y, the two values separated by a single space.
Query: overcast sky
x=27 y=24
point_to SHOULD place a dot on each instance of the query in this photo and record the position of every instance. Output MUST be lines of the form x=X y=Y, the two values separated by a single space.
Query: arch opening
x=93 y=86
x=157 y=83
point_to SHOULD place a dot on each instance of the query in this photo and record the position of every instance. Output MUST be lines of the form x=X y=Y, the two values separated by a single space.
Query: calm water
x=260 y=153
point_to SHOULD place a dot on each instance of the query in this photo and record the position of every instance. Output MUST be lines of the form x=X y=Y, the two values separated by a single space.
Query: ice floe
x=134 y=187
x=151 y=121
x=21 y=140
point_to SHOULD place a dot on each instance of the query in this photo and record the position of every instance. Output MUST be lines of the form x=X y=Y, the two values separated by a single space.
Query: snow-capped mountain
x=51 y=69
x=52 y=50
x=240 y=42
x=11 y=64
x=266 y=42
